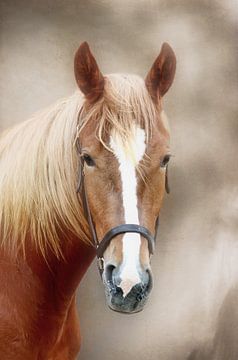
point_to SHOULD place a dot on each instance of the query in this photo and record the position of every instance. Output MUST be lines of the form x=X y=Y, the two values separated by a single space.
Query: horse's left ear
x=88 y=76
x=161 y=75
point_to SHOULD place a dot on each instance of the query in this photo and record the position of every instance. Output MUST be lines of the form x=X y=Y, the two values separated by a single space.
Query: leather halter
x=100 y=246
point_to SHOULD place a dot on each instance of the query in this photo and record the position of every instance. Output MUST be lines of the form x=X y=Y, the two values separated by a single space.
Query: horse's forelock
x=126 y=102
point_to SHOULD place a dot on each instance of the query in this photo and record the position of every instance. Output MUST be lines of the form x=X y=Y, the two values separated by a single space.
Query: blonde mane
x=39 y=163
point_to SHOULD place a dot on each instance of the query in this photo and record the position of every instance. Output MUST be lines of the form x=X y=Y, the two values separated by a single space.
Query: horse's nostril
x=108 y=273
x=150 y=280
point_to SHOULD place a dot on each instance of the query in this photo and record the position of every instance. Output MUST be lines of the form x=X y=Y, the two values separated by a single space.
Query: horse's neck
x=62 y=275
x=42 y=295
x=78 y=257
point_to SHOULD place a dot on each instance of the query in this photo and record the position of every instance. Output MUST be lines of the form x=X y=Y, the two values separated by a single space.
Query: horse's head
x=124 y=144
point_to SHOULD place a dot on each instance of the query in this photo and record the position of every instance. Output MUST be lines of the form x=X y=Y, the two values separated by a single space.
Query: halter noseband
x=100 y=246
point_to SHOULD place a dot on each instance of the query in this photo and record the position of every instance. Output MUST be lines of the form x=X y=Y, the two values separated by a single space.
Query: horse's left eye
x=89 y=161
x=165 y=161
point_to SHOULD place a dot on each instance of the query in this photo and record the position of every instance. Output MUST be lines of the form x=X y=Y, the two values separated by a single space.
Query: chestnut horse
x=113 y=138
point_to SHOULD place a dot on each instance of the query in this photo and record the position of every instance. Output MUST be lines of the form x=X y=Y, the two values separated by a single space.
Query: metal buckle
x=100 y=262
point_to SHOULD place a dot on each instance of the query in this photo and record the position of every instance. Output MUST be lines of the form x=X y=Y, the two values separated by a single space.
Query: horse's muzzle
x=134 y=300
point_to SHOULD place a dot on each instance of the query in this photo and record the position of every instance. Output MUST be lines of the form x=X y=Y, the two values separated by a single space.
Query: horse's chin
x=124 y=310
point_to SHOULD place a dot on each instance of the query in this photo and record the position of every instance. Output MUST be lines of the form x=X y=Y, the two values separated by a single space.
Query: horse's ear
x=88 y=76
x=161 y=74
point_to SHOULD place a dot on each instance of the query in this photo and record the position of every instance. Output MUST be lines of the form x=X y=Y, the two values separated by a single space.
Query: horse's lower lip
x=125 y=312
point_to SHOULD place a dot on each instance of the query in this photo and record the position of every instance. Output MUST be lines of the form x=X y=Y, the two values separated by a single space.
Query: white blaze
x=128 y=158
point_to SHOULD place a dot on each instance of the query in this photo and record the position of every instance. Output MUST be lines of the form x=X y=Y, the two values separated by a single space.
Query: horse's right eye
x=89 y=161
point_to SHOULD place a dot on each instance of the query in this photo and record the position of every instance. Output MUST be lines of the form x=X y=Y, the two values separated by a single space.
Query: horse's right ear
x=88 y=76
x=161 y=74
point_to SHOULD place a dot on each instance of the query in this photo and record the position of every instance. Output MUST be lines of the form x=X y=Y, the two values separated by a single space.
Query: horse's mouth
x=132 y=303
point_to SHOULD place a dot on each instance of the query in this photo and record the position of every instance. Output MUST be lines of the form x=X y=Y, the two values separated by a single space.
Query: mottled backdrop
x=193 y=310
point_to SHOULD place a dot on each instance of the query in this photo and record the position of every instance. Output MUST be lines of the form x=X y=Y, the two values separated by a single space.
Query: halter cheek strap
x=81 y=188
x=167 y=187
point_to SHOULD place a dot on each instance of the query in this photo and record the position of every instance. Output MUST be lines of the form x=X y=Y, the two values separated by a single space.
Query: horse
x=84 y=178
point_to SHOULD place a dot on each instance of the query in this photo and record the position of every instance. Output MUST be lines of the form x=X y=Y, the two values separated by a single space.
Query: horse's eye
x=89 y=161
x=165 y=161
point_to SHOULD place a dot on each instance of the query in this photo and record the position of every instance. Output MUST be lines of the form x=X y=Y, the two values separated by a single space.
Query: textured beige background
x=193 y=310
